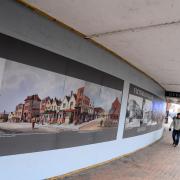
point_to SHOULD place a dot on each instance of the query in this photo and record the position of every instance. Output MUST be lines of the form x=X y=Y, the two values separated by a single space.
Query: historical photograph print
x=145 y=112
x=37 y=103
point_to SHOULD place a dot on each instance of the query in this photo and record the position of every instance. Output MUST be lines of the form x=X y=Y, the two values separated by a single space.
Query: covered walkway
x=158 y=161
x=92 y=58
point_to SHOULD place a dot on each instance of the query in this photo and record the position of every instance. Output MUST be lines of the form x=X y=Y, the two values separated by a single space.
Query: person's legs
x=174 y=136
x=177 y=137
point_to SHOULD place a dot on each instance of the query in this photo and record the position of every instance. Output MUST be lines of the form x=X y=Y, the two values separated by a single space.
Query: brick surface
x=158 y=161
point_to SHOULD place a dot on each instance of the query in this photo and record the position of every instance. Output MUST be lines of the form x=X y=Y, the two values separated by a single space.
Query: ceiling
x=144 y=32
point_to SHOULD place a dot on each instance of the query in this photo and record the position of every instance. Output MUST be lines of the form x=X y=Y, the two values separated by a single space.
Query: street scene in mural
x=145 y=112
x=36 y=101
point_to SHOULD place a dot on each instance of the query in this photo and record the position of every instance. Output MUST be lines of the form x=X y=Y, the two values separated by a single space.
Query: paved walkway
x=156 y=162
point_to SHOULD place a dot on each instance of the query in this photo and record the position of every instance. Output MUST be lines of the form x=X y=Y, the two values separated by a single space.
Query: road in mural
x=37 y=101
x=145 y=112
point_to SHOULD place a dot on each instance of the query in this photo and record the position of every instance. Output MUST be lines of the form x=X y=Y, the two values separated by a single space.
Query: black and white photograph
x=145 y=112
x=134 y=111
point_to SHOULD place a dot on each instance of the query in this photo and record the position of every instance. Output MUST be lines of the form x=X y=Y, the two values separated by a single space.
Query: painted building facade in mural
x=36 y=101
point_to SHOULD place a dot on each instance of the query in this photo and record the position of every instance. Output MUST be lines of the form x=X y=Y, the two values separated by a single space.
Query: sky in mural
x=20 y=81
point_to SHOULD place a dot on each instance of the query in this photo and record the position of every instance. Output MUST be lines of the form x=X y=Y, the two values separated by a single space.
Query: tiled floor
x=158 y=161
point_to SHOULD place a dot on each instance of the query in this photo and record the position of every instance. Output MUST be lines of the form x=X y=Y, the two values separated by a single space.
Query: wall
x=22 y=23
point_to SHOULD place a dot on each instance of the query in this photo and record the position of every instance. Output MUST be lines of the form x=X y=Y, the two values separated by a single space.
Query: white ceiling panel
x=99 y=16
x=155 y=51
x=144 y=32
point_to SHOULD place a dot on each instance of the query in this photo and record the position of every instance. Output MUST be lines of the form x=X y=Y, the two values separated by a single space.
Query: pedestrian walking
x=176 y=129
x=33 y=122
x=101 y=123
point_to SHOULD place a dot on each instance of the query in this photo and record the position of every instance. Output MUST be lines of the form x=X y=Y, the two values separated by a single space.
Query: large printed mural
x=36 y=102
x=145 y=112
